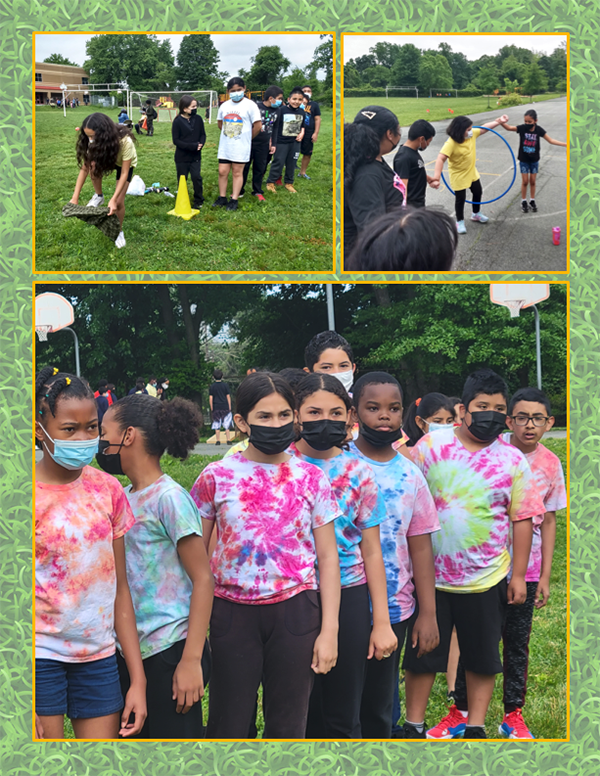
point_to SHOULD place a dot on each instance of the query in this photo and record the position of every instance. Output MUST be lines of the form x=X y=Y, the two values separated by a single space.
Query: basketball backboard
x=52 y=313
x=517 y=296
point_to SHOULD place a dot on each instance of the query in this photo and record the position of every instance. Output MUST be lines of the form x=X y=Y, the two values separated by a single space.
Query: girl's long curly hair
x=107 y=139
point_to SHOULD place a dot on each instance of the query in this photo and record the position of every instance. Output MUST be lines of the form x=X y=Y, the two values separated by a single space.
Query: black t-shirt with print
x=269 y=117
x=219 y=391
x=409 y=164
x=529 y=142
x=310 y=112
x=289 y=124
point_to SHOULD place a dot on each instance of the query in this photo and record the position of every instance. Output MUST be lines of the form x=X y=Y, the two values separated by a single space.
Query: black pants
x=286 y=155
x=515 y=640
x=380 y=686
x=460 y=197
x=193 y=168
x=163 y=721
x=259 y=159
x=334 y=710
x=272 y=643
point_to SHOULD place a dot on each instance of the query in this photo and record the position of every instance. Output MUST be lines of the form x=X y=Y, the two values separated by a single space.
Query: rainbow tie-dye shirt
x=477 y=494
x=265 y=515
x=353 y=484
x=75 y=576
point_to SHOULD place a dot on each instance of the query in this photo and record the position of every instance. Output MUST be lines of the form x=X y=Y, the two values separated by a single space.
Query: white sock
x=420 y=726
x=464 y=713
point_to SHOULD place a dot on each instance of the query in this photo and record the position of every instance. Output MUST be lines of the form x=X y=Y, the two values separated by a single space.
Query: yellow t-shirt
x=461 y=161
x=127 y=152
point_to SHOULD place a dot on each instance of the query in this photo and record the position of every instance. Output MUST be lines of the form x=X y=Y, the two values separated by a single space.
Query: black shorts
x=479 y=620
x=306 y=146
x=228 y=161
x=129 y=175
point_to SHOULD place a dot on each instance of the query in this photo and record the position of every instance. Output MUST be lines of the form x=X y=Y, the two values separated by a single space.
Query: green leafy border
x=18 y=753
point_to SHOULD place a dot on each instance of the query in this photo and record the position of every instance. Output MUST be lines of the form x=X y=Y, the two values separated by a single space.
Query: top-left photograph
x=173 y=152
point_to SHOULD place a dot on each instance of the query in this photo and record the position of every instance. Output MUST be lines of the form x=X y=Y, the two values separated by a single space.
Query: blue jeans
x=529 y=167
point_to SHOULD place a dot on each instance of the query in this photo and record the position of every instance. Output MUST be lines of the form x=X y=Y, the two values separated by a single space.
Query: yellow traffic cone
x=183 y=209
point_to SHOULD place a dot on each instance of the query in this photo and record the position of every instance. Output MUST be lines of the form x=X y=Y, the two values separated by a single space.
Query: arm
x=202 y=139
x=425 y=630
x=517 y=588
x=300 y=135
x=83 y=173
x=317 y=128
x=325 y=649
x=178 y=142
x=207 y=529
x=493 y=124
x=256 y=127
x=121 y=187
x=220 y=124
x=125 y=627
x=552 y=141
x=439 y=166
x=228 y=401
x=509 y=127
x=188 y=681
x=548 y=531
x=210 y=403
x=383 y=640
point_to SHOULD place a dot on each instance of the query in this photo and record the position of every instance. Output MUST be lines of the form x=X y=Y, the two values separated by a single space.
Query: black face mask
x=487 y=425
x=272 y=440
x=111 y=464
x=379 y=438
x=193 y=111
x=324 y=434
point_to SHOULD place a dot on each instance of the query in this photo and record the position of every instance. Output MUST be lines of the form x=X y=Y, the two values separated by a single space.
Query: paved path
x=511 y=240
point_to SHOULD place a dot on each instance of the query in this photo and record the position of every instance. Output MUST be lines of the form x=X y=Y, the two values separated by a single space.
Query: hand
x=188 y=684
x=315 y=137
x=517 y=591
x=382 y=643
x=135 y=703
x=503 y=119
x=74 y=200
x=543 y=592
x=324 y=654
x=272 y=149
x=435 y=184
x=112 y=206
x=425 y=633
x=200 y=146
x=39 y=730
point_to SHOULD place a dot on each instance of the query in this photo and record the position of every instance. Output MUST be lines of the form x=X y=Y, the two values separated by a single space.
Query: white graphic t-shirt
x=236 y=133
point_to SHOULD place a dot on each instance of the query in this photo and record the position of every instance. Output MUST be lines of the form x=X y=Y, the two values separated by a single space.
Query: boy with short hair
x=262 y=146
x=289 y=133
x=529 y=417
x=330 y=353
x=480 y=486
x=410 y=166
x=312 y=125
x=219 y=399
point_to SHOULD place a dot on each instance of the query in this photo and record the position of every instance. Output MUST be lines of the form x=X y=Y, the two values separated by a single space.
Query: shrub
x=510 y=99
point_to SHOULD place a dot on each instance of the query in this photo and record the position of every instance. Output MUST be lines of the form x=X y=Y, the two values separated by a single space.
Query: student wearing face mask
x=409 y=164
x=239 y=122
x=312 y=125
x=189 y=136
x=426 y=415
x=371 y=187
x=262 y=145
x=290 y=132
x=329 y=353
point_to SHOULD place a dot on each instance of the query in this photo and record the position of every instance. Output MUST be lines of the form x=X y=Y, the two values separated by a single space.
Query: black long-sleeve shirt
x=186 y=136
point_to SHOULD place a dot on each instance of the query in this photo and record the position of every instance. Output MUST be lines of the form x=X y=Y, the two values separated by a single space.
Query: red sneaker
x=513 y=726
x=279 y=182
x=452 y=726
x=260 y=197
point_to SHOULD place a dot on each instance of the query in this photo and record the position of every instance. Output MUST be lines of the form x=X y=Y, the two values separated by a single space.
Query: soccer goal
x=443 y=93
x=389 y=89
x=166 y=103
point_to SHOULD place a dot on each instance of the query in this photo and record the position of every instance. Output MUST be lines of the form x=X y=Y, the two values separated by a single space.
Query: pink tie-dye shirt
x=265 y=515
x=550 y=481
x=75 y=576
x=477 y=494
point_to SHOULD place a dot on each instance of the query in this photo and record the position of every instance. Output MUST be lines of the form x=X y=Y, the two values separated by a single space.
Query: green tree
x=352 y=77
x=405 y=70
x=323 y=60
x=434 y=72
x=197 y=61
x=385 y=53
x=296 y=77
x=487 y=78
x=378 y=76
x=513 y=69
x=135 y=59
x=58 y=59
x=535 y=81
x=268 y=67
x=363 y=62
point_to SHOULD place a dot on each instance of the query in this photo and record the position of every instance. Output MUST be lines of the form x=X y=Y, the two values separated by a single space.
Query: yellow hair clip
x=68 y=381
x=56 y=371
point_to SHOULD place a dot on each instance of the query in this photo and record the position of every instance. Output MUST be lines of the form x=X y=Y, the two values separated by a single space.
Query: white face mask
x=165 y=386
x=431 y=427
x=345 y=378
x=469 y=133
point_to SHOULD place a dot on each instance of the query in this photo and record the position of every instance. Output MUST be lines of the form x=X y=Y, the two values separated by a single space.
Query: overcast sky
x=234 y=50
x=472 y=46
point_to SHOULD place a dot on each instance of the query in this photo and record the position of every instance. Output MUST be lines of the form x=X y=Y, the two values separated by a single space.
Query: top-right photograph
x=455 y=153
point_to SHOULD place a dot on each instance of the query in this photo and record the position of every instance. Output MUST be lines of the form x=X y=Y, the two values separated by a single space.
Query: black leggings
x=460 y=197
x=193 y=169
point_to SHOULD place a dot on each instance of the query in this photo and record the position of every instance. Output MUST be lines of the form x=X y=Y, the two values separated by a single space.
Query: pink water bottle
x=556 y=235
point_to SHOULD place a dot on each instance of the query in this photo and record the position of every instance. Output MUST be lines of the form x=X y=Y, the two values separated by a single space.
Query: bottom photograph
x=300 y=511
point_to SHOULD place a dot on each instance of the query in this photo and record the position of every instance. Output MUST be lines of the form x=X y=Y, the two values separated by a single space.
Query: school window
x=38 y=76
x=85 y=80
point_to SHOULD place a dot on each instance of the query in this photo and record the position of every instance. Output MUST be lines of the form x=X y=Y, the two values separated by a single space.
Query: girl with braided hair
x=81 y=593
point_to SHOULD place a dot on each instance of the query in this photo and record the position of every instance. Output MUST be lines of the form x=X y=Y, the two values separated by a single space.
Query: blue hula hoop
x=487 y=202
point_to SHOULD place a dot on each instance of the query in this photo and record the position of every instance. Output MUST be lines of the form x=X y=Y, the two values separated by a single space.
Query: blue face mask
x=72 y=454
x=277 y=103
x=236 y=96
x=432 y=427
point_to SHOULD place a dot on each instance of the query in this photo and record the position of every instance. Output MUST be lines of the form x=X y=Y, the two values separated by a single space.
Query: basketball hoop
x=517 y=296
x=514 y=306
x=42 y=332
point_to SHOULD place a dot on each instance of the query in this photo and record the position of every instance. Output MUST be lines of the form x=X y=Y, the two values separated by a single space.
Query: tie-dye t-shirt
x=411 y=512
x=550 y=481
x=353 y=484
x=160 y=587
x=265 y=515
x=477 y=494
x=75 y=576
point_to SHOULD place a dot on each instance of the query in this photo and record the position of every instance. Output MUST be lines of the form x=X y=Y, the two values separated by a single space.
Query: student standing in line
x=312 y=125
x=189 y=137
x=262 y=146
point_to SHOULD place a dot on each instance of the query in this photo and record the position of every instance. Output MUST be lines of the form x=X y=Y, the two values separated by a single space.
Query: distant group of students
x=333 y=537
x=252 y=134
x=386 y=225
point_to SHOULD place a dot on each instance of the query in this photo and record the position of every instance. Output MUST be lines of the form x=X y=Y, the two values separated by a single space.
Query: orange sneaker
x=271 y=188
x=290 y=188
x=452 y=726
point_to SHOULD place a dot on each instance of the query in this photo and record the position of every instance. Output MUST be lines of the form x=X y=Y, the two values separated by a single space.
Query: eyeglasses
x=522 y=420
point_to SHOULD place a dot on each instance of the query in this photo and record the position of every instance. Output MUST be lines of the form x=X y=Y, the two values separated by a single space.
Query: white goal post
x=443 y=92
x=166 y=103
x=403 y=88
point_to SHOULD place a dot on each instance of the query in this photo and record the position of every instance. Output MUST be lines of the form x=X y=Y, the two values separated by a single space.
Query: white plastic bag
x=136 y=186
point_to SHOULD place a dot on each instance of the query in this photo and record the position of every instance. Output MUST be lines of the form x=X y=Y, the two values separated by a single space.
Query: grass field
x=546 y=705
x=410 y=109
x=287 y=233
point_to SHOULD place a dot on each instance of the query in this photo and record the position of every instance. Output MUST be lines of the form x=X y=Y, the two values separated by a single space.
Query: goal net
x=443 y=93
x=166 y=103
x=414 y=89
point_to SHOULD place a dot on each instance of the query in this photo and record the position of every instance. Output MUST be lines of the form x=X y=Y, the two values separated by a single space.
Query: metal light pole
x=63 y=86
x=330 y=309
x=77 y=369
x=538 y=348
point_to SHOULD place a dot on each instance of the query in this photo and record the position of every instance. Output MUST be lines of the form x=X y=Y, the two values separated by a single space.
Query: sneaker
x=513 y=726
x=279 y=182
x=304 y=175
x=476 y=731
x=260 y=198
x=120 y=241
x=220 y=202
x=217 y=444
x=524 y=206
x=232 y=204
x=452 y=726
x=197 y=205
x=409 y=731
x=290 y=188
x=96 y=200
x=241 y=194
x=479 y=217
x=230 y=442
x=271 y=188
x=532 y=205
x=460 y=227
